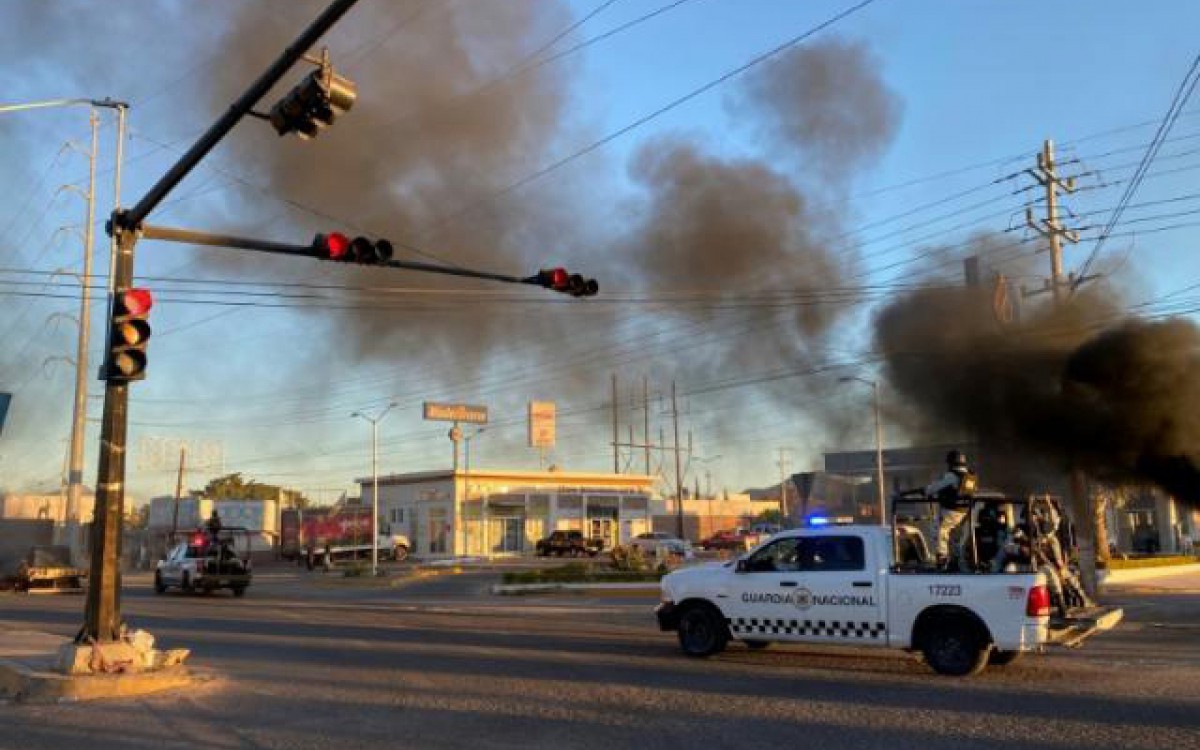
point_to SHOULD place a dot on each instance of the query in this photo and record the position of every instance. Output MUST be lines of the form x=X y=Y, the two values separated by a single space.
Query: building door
x=606 y=529
x=514 y=534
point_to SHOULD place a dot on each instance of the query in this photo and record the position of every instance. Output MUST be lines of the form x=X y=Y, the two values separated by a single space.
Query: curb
x=20 y=683
x=1132 y=575
x=535 y=588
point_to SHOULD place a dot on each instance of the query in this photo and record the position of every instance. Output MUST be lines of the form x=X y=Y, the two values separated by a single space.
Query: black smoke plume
x=1073 y=386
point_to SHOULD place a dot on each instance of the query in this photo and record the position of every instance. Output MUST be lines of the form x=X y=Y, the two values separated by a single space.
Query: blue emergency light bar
x=828 y=521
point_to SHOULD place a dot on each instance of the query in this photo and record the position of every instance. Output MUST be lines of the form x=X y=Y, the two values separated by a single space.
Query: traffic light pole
x=102 y=615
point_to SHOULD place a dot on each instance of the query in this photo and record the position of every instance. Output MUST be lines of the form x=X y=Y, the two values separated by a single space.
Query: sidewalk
x=27 y=664
x=1176 y=577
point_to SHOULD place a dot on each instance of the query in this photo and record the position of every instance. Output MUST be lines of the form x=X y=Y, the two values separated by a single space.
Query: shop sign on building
x=470 y=413
x=541 y=424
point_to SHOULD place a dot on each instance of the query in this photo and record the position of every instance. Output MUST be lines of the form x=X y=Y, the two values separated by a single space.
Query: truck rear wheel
x=239 y=591
x=702 y=631
x=159 y=586
x=955 y=647
x=757 y=645
x=186 y=584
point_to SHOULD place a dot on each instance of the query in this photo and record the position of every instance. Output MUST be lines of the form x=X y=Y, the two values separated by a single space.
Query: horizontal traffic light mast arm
x=193 y=237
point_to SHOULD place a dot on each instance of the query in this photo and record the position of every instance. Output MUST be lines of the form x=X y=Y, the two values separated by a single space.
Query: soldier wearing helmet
x=953 y=495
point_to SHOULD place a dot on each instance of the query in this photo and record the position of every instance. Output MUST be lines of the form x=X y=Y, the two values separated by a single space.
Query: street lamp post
x=375 y=481
x=74 y=474
x=878 y=443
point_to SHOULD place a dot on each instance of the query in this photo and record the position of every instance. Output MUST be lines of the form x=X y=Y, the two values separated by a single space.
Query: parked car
x=650 y=542
x=735 y=540
x=569 y=543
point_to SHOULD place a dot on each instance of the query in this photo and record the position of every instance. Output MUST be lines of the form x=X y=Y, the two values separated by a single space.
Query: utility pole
x=616 y=427
x=178 y=488
x=79 y=412
x=783 y=495
x=646 y=419
x=1081 y=505
x=678 y=465
x=1047 y=175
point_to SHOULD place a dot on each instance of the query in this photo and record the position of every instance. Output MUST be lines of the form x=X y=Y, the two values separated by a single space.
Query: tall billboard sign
x=468 y=413
x=541 y=424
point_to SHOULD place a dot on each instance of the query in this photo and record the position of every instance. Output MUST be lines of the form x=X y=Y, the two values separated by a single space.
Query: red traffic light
x=135 y=301
x=335 y=245
x=560 y=280
x=128 y=335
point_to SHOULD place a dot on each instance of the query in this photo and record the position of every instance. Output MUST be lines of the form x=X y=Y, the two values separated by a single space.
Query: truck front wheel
x=955 y=647
x=702 y=631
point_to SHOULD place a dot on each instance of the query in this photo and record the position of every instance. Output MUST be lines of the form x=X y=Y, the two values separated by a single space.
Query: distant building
x=704 y=515
x=505 y=512
x=258 y=516
x=848 y=483
x=1148 y=520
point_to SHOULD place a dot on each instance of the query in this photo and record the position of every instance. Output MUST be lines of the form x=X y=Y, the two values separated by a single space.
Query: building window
x=397 y=515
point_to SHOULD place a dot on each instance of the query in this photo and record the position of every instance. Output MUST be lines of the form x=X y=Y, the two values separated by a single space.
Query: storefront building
x=489 y=512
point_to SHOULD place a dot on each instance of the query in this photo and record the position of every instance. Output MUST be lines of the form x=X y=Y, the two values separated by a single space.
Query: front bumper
x=668 y=616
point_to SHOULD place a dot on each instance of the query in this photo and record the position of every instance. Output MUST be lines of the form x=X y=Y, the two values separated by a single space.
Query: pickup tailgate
x=1081 y=624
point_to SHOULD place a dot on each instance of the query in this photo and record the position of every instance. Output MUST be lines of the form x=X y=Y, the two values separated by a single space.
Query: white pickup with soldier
x=879 y=586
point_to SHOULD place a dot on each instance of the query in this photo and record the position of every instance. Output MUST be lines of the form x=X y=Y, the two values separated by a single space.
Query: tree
x=138 y=518
x=770 y=516
x=234 y=487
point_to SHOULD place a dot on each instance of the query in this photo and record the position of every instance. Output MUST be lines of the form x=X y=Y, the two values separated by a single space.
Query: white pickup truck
x=840 y=585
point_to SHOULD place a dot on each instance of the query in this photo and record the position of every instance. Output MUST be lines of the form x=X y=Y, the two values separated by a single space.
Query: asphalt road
x=309 y=663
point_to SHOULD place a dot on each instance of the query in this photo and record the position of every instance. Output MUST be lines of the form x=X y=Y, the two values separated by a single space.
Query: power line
x=1182 y=95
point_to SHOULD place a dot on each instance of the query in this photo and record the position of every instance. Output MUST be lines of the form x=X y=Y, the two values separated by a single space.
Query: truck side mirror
x=741 y=566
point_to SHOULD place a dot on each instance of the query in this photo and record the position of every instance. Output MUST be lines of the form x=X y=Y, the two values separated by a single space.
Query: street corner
x=22 y=683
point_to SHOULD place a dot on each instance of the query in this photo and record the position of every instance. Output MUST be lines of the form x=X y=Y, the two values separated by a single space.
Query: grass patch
x=1159 y=561
x=580 y=573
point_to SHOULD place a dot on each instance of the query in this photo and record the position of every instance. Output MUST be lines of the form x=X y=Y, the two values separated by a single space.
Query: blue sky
x=980 y=83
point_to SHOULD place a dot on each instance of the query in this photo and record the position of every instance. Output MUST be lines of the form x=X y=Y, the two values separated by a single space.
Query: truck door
x=836 y=592
x=761 y=603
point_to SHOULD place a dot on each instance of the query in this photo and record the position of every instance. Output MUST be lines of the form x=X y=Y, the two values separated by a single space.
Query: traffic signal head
x=128 y=334
x=314 y=103
x=333 y=246
x=560 y=280
x=337 y=246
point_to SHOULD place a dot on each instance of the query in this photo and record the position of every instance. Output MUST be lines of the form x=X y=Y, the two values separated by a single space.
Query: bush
x=629 y=558
x=580 y=573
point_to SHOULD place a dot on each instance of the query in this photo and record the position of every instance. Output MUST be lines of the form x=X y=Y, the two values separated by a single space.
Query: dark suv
x=570 y=543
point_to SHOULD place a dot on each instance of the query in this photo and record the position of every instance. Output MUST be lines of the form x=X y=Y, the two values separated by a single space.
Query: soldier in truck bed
x=953 y=494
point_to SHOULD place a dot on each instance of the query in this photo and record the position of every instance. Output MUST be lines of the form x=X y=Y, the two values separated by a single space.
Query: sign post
x=541 y=428
x=470 y=413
